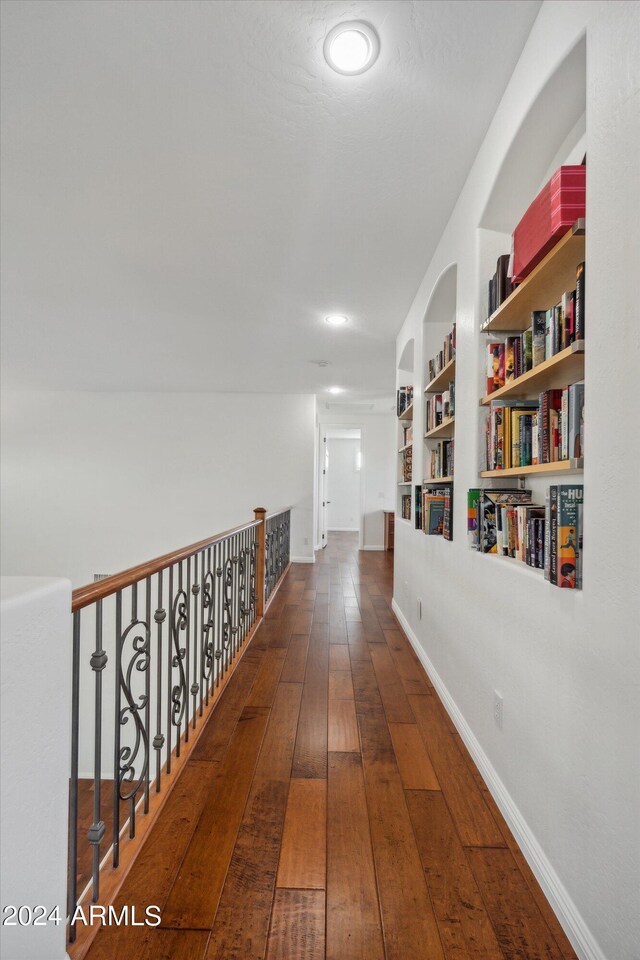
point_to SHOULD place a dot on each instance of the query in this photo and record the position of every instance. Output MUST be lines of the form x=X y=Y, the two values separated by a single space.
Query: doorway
x=341 y=482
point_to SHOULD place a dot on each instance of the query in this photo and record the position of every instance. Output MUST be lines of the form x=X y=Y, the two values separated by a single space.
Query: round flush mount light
x=336 y=320
x=335 y=389
x=351 y=48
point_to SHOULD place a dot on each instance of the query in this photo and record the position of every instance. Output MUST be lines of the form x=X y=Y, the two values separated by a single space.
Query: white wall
x=96 y=482
x=566 y=765
x=343 y=486
x=36 y=635
x=378 y=467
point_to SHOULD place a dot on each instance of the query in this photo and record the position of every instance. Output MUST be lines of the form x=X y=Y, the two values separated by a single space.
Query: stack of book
x=550 y=332
x=500 y=285
x=441 y=460
x=407 y=433
x=443 y=357
x=437 y=512
x=405 y=506
x=404 y=399
x=544 y=536
x=406 y=464
x=418 y=516
x=523 y=433
x=440 y=407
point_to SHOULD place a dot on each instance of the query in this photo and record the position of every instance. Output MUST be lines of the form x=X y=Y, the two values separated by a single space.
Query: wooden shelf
x=544 y=286
x=558 y=466
x=434 y=483
x=407 y=414
x=445 y=429
x=443 y=379
x=407 y=446
x=558 y=371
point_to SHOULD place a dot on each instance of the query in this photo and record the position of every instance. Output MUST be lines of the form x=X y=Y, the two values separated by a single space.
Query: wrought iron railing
x=277 y=545
x=152 y=648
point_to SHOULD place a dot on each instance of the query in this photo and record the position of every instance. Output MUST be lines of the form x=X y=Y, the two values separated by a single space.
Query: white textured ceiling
x=188 y=189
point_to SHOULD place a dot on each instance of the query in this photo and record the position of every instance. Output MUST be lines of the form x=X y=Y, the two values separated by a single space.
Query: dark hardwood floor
x=330 y=809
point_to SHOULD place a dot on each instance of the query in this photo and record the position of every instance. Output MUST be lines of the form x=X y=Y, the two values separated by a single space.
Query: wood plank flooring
x=330 y=810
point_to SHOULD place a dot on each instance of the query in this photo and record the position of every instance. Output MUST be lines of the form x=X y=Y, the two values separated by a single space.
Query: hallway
x=330 y=808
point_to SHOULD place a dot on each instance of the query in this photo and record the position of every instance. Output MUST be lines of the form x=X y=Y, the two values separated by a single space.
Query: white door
x=323 y=495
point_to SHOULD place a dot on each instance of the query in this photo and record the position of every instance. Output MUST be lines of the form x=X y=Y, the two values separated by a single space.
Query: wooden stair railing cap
x=92 y=592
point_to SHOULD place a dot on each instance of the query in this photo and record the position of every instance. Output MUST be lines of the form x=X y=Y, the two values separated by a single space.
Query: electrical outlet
x=419 y=609
x=405 y=588
x=498 y=708
x=306 y=541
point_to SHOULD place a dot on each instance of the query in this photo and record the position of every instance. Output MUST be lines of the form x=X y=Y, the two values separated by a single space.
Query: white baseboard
x=374 y=547
x=343 y=529
x=570 y=918
x=310 y=559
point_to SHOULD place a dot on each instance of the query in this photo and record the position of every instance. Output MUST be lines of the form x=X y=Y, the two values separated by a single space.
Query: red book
x=556 y=208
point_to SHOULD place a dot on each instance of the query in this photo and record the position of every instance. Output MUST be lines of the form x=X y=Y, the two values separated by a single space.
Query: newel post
x=260 y=513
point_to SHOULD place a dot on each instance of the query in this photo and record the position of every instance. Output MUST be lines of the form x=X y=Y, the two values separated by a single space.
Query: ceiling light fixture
x=351 y=48
x=336 y=320
x=335 y=389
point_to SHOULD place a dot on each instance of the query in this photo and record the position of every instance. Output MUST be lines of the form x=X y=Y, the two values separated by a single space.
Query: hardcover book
x=569 y=498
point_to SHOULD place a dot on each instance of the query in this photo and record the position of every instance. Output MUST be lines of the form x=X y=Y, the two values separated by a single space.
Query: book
x=538 y=321
x=553 y=534
x=447 y=522
x=579 y=303
x=473 y=496
x=418 y=507
x=503 y=283
x=568 y=498
x=547 y=535
x=576 y=420
x=433 y=513
x=488 y=502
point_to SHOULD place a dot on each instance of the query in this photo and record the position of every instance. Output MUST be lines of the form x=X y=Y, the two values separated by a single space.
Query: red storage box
x=556 y=208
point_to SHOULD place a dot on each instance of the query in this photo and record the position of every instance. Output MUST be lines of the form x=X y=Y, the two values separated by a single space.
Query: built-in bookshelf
x=439 y=430
x=552 y=374
x=535 y=416
x=444 y=429
x=545 y=284
x=535 y=389
x=404 y=410
x=442 y=379
x=543 y=534
x=573 y=465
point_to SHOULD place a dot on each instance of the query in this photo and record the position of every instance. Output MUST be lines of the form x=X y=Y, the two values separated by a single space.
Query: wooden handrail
x=276 y=513
x=92 y=592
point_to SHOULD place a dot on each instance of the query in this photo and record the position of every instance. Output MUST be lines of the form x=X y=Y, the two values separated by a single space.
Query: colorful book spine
x=569 y=497
x=579 y=302
x=553 y=534
x=472 y=517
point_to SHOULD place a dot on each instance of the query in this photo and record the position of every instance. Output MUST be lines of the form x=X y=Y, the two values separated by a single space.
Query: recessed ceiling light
x=336 y=320
x=335 y=389
x=351 y=48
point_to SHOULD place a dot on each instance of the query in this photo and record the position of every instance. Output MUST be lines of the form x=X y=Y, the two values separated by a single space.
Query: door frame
x=320 y=448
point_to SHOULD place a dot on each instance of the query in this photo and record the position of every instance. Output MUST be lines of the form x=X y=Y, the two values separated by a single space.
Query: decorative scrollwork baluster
x=96 y=831
x=208 y=629
x=133 y=759
x=179 y=624
x=159 y=617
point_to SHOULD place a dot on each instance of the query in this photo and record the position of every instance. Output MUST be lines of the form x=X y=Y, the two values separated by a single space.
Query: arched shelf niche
x=552 y=133
x=405 y=377
x=439 y=371
x=439 y=316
